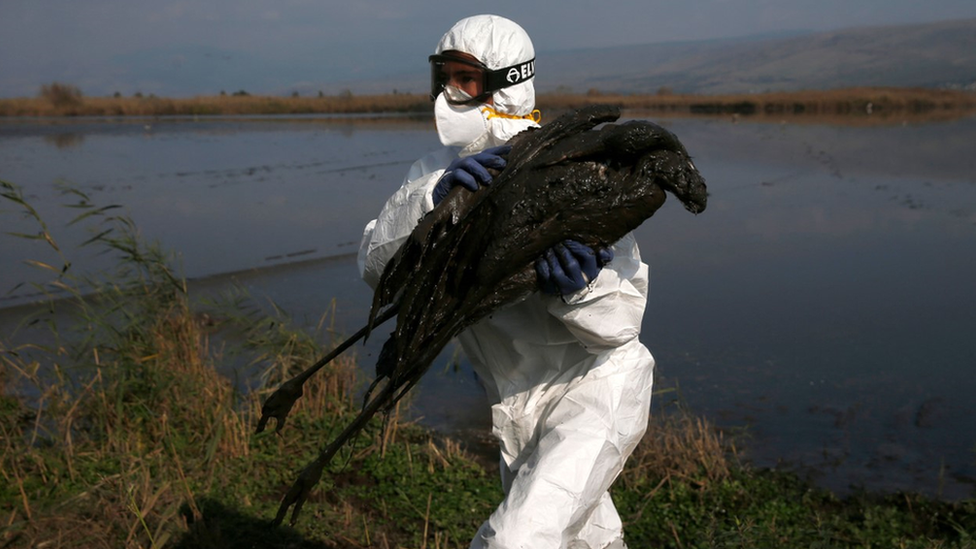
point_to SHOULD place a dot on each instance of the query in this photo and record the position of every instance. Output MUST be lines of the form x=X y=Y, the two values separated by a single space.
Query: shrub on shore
x=61 y=95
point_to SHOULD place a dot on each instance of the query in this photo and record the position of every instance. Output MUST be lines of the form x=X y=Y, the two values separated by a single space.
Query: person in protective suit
x=568 y=379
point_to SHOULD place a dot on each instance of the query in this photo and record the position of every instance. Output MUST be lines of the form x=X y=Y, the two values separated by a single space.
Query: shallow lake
x=823 y=307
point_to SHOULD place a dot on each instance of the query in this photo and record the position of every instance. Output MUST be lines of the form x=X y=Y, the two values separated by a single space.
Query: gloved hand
x=569 y=266
x=470 y=171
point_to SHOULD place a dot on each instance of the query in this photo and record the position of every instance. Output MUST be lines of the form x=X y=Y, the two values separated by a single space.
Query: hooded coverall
x=568 y=380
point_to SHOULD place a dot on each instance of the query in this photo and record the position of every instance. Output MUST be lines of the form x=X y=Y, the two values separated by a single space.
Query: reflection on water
x=228 y=195
x=823 y=305
x=65 y=140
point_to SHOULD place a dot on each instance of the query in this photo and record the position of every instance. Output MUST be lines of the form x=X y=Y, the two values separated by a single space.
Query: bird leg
x=312 y=473
x=299 y=491
x=280 y=403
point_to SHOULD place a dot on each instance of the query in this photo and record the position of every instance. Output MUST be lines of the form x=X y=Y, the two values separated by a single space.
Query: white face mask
x=458 y=125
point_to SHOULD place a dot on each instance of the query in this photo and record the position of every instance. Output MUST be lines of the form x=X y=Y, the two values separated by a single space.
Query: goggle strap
x=509 y=76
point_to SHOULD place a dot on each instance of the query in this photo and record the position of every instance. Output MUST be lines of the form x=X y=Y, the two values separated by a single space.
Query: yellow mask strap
x=535 y=115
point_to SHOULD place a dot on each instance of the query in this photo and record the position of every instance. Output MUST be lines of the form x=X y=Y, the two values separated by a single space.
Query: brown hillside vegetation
x=857 y=106
x=855 y=103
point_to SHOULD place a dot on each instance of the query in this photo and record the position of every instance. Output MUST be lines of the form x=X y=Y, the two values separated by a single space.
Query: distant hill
x=933 y=55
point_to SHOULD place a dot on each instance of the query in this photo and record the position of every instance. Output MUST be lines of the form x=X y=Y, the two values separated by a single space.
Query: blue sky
x=184 y=48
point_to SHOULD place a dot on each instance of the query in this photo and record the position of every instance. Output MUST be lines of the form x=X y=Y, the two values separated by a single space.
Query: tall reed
x=111 y=433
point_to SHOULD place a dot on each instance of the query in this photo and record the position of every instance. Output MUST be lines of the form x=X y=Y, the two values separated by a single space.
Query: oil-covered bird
x=581 y=177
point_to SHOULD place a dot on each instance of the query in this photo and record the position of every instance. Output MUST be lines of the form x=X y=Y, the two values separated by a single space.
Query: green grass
x=122 y=434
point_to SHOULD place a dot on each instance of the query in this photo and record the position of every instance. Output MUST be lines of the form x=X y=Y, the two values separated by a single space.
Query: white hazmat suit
x=568 y=379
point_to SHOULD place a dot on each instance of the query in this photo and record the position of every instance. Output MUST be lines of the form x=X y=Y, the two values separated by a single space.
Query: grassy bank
x=854 y=102
x=121 y=433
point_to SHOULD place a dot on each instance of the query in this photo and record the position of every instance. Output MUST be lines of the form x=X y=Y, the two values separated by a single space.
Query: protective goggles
x=475 y=75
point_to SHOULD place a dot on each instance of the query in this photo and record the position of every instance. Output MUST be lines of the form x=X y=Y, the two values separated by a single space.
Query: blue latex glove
x=470 y=171
x=568 y=267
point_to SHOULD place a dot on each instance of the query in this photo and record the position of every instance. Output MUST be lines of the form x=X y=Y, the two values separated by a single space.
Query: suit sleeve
x=384 y=235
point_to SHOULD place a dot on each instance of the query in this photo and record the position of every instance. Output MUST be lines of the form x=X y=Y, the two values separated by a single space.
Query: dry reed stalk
x=433 y=453
x=453 y=450
x=406 y=444
x=391 y=424
x=430 y=496
x=679 y=446
x=67 y=422
x=674 y=532
x=366 y=530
